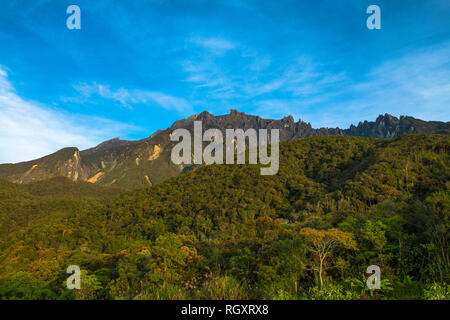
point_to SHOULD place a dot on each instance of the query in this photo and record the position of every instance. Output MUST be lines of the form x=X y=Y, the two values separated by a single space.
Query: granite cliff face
x=385 y=126
x=388 y=126
x=141 y=163
x=288 y=128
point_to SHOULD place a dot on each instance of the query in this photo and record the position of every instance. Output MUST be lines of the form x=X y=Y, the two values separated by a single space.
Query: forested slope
x=225 y=231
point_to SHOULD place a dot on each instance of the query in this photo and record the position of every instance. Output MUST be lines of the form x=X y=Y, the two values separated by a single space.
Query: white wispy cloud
x=128 y=97
x=300 y=78
x=416 y=83
x=216 y=46
x=207 y=76
x=30 y=130
x=259 y=77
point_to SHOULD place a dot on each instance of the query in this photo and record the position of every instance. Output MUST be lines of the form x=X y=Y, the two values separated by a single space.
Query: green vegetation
x=337 y=205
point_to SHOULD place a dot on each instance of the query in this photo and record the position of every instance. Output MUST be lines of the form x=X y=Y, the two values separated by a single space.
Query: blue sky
x=137 y=66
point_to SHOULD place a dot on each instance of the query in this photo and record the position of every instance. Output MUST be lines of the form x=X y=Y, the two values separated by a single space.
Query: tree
x=323 y=242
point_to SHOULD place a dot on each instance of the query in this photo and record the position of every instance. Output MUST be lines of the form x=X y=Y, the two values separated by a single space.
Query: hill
x=23 y=205
x=225 y=231
x=142 y=163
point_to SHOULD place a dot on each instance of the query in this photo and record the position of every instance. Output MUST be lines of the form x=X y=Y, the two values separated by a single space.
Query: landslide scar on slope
x=95 y=177
x=156 y=152
x=27 y=173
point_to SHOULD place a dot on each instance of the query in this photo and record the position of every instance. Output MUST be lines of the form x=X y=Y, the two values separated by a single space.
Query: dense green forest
x=338 y=205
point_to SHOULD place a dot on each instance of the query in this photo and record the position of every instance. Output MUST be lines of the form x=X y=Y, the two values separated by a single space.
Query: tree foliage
x=225 y=231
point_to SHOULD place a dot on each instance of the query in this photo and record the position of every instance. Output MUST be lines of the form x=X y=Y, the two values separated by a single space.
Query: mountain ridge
x=141 y=163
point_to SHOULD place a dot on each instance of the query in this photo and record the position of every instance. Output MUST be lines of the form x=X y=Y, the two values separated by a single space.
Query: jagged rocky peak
x=235 y=112
x=387 y=118
x=288 y=119
x=204 y=115
x=197 y=116
x=385 y=126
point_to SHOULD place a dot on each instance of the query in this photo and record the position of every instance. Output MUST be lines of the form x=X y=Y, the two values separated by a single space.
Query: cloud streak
x=29 y=130
x=259 y=80
x=216 y=46
x=416 y=84
x=128 y=98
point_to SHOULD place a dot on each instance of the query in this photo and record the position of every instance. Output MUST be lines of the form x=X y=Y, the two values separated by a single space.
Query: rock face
x=140 y=163
x=288 y=128
x=385 y=126
x=388 y=126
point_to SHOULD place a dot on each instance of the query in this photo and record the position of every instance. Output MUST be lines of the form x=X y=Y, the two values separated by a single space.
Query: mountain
x=388 y=126
x=65 y=162
x=142 y=163
x=227 y=232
